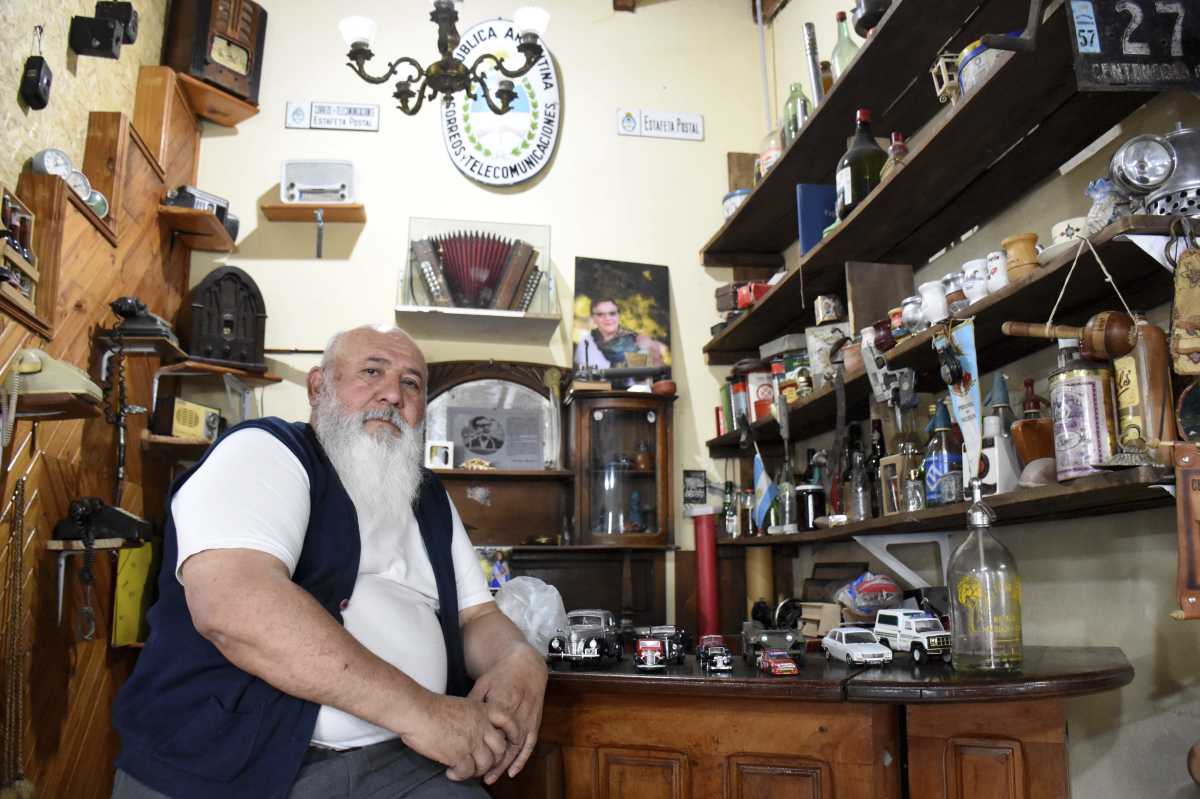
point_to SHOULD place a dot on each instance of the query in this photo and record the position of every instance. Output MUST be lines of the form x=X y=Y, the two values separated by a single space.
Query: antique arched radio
x=224 y=321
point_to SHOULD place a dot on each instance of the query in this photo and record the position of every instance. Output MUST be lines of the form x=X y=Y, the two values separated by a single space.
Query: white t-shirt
x=252 y=493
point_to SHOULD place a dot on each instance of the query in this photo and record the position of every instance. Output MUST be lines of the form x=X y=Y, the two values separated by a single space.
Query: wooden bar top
x=1048 y=672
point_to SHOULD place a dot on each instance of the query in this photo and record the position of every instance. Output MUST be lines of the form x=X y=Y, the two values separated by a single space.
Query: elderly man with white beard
x=321 y=612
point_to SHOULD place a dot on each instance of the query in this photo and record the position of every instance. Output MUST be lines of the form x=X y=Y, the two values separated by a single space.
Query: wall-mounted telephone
x=34 y=372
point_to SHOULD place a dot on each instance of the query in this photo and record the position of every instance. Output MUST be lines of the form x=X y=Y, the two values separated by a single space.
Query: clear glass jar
x=985 y=597
x=856 y=491
x=914 y=491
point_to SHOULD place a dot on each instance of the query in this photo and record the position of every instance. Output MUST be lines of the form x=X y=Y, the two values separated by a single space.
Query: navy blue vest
x=194 y=726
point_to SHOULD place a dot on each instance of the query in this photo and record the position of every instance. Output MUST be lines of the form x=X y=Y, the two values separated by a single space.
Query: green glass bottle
x=795 y=113
x=859 y=170
x=844 y=50
x=985 y=597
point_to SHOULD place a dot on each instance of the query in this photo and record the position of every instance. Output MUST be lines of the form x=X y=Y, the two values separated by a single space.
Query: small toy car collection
x=713 y=655
x=855 y=645
x=777 y=662
x=589 y=637
x=915 y=631
x=650 y=654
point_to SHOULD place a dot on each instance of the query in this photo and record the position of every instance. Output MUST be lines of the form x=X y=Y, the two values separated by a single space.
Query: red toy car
x=649 y=654
x=776 y=662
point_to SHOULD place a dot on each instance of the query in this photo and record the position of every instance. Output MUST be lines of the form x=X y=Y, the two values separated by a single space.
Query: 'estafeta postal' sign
x=660 y=124
x=323 y=115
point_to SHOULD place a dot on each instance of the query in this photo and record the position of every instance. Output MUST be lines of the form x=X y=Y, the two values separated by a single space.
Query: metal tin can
x=829 y=308
x=1083 y=405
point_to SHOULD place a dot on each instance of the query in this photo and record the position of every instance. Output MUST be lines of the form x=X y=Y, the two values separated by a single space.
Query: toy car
x=674 y=640
x=713 y=655
x=916 y=631
x=755 y=637
x=777 y=662
x=590 y=636
x=855 y=645
x=650 y=653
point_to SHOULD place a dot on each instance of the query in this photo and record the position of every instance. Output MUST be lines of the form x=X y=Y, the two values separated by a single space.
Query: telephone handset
x=34 y=372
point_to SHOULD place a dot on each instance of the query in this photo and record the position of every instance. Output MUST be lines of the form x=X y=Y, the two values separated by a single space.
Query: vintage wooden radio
x=224 y=321
x=219 y=42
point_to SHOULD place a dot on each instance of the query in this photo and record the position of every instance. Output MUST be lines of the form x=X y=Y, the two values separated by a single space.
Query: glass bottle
x=1031 y=406
x=730 y=509
x=769 y=152
x=943 y=463
x=878 y=451
x=985 y=597
x=826 y=77
x=746 y=513
x=1000 y=405
x=857 y=490
x=844 y=50
x=795 y=113
x=897 y=152
x=914 y=491
x=858 y=170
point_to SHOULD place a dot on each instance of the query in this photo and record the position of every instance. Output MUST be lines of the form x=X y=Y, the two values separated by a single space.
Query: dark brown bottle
x=859 y=170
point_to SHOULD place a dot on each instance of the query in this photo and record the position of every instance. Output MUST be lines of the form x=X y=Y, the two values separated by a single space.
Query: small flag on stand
x=765 y=489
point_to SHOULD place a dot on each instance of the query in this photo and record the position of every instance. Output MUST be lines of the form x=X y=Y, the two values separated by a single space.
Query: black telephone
x=90 y=518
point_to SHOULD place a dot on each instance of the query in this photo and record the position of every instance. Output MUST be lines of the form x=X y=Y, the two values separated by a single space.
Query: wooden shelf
x=54 y=545
x=56 y=407
x=504 y=474
x=197 y=229
x=1097 y=495
x=172 y=449
x=1143 y=282
x=146 y=345
x=568 y=548
x=477 y=324
x=11 y=254
x=306 y=212
x=963 y=168
x=214 y=104
x=191 y=368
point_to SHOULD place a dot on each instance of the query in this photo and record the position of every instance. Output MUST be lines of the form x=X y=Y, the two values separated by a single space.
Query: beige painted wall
x=604 y=196
x=1104 y=581
x=80 y=84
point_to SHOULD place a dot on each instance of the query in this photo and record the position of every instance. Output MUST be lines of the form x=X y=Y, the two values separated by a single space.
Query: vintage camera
x=124 y=13
x=35 y=82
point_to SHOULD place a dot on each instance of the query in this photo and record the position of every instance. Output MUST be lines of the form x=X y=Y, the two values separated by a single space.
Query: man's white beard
x=379 y=470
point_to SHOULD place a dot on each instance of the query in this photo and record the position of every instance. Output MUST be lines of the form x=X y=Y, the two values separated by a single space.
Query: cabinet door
x=778 y=777
x=623 y=471
x=643 y=774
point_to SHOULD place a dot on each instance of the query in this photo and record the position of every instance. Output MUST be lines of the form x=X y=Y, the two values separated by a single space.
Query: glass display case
x=494 y=268
x=622 y=453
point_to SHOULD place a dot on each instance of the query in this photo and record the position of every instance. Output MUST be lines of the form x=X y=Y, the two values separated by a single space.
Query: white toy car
x=854 y=645
x=917 y=632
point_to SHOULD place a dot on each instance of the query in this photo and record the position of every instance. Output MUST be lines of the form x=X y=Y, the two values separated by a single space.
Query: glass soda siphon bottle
x=985 y=597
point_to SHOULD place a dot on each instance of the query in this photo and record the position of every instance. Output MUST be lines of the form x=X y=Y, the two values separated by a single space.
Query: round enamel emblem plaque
x=503 y=150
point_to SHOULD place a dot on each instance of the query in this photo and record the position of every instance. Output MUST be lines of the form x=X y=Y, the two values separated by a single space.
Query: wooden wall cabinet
x=621 y=450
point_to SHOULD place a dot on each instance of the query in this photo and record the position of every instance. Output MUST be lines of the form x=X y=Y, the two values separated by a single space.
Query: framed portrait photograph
x=439 y=454
x=622 y=315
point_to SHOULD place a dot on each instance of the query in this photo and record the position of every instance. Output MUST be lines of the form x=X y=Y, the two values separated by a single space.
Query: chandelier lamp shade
x=448 y=75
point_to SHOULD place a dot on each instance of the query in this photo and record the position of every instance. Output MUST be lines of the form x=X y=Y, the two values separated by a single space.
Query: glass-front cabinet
x=622 y=452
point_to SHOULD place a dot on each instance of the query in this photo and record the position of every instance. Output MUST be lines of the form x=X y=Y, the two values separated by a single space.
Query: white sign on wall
x=324 y=115
x=660 y=124
x=503 y=150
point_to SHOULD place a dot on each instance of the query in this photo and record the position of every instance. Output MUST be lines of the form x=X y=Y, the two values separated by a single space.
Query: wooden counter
x=831 y=730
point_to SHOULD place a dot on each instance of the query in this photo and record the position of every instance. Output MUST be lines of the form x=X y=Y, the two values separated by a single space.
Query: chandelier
x=448 y=74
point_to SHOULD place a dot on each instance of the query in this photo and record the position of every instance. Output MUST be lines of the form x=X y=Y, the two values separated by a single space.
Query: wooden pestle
x=1108 y=334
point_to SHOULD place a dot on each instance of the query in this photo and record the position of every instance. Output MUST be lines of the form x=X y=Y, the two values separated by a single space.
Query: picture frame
x=439 y=454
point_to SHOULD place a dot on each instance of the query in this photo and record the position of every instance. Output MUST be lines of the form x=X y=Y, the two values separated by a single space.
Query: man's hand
x=464 y=734
x=516 y=685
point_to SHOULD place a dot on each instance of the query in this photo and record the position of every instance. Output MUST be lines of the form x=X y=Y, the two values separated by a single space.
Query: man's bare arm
x=244 y=602
x=509 y=674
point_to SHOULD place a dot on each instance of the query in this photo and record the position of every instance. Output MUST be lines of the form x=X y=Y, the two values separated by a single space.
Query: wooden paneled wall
x=69 y=742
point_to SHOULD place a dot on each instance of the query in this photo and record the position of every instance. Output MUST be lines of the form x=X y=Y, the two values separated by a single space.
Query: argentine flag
x=765 y=490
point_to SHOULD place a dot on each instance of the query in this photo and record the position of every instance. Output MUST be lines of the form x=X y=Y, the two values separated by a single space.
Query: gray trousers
x=386 y=770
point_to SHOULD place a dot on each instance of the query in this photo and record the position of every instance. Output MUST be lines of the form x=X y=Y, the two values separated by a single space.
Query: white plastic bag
x=535 y=607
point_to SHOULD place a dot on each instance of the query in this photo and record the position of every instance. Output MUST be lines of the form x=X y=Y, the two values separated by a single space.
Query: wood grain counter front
x=830 y=731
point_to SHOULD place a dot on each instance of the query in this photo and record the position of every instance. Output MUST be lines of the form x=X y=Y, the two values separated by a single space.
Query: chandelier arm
x=499 y=63
x=403 y=106
x=487 y=97
x=393 y=68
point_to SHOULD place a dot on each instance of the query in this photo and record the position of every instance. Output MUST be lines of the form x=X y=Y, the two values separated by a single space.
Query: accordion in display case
x=478 y=265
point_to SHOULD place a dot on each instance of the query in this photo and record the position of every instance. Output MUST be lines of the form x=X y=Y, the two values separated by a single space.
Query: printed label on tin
x=1130 y=409
x=1081 y=433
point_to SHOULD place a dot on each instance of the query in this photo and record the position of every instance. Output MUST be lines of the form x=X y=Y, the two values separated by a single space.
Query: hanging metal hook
x=38 y=30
